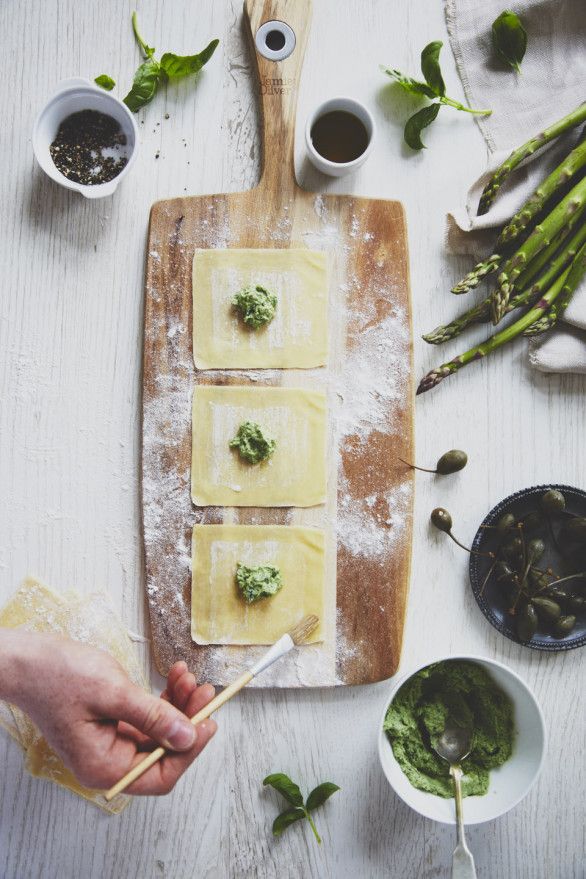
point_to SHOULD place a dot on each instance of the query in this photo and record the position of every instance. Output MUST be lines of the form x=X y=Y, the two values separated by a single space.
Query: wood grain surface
x=365 y=240
x=71 y=330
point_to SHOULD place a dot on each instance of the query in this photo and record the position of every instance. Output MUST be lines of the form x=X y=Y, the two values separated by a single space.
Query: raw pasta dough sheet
x=89 y=619
x=297 y=336
x=294 y=476
x=219 y=615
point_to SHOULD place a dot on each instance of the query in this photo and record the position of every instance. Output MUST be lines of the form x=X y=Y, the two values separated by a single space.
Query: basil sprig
x=434 y=88
x=299 y=808
x=509 y=38
x=152 y=73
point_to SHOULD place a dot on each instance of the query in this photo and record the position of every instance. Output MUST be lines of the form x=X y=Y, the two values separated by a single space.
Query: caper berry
x=506 y=522
x=574 y=531
x=532 y=522
x=553 y=502
x=557 y=593
x=441 y=519
x=535 y=549
x=538 y=579
x=526 y=622
x=577 y=603
x=451 y=462
x=513 y=549
x=547 y=610
x=564 y=625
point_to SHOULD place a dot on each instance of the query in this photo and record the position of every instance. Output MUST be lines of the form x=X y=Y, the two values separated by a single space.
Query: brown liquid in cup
x=339 y=136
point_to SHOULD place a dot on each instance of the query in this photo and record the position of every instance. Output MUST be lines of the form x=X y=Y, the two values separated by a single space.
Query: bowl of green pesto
x=508 y=737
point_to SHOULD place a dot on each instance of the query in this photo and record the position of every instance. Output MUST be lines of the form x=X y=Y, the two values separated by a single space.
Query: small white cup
x=349 y=105
x=71 y=96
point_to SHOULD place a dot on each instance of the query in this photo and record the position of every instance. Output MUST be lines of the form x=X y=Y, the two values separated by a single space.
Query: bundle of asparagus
x=539 y=258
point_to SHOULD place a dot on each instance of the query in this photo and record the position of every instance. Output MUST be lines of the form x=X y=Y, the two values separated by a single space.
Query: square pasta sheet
x=89 y=619
x=219 y=614
x=297 y=335
x=295 y=475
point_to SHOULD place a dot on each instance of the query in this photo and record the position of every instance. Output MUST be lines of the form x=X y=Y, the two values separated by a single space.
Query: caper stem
x=415 y=467
x=551 y=531
x=489 y=555
x=578 y=576
x=487 y=578
x=522 y=536
x=513 y=608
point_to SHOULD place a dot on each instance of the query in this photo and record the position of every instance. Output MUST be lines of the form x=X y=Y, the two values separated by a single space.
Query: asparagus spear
x=481 y=313
x=573 y=278
x=565 y=215
x=558 y=257
x=546 y=257
x=527 y=149
x=535 y=203
x=435 y=376
x=522 y=220
x=475 y=276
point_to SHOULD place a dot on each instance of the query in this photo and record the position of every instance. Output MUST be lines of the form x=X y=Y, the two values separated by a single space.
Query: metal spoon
x=454 y=746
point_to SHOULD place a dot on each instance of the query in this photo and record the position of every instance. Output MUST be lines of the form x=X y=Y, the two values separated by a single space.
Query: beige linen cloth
x=552 y=82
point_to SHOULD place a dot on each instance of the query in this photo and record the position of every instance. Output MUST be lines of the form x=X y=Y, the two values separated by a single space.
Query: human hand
x=99 y=722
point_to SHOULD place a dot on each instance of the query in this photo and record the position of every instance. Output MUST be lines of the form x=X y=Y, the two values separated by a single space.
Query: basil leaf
x=287 y=788
x=431 y=69
x=417 y=123
x=413 y=86
x=105 y=82
x=509 y=38
x=320 y=794
x=289 y=816
x=178 y=66
x=144 y=85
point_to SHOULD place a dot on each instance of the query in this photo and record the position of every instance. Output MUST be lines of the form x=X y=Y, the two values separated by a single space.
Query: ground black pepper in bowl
x=89 y=148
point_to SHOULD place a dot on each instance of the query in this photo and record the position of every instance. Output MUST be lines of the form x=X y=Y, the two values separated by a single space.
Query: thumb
x=157 y=719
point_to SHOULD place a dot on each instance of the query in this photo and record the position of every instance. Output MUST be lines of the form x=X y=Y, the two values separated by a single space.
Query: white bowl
x=349 y=105
x=508 y=783
x=71 y=96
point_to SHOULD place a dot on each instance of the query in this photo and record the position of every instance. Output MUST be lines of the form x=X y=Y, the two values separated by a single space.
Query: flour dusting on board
x=363 y=384
x=373 y=377
x=372 y=527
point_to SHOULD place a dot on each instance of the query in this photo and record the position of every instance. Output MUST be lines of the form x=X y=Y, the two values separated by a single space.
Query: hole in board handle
x=275 y=40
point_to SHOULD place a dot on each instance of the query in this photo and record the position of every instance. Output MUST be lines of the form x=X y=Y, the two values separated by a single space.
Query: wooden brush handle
x=156 y=755
x=278 y=82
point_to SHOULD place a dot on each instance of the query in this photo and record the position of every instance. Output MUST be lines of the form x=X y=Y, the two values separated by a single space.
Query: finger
x=130 y=733
x=199 y=699
x=183 y=689
x=164 y=775
x=157 y=719
x=175 y=672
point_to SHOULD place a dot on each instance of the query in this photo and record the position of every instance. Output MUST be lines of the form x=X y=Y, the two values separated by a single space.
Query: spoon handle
x=462 y=860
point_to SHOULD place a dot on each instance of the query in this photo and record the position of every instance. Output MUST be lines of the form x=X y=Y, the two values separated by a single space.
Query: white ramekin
x=71 y=96
x=349 y=105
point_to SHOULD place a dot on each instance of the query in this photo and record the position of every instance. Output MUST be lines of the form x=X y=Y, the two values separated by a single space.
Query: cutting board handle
x=278 y=82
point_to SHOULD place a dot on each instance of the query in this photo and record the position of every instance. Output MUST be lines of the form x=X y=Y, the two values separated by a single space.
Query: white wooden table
x=70 y=373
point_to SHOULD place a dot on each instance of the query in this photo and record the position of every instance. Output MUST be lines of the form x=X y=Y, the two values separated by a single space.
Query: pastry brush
x=297 y=635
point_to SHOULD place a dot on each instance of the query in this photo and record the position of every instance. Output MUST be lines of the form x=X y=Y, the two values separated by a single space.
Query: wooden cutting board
x=368 y=381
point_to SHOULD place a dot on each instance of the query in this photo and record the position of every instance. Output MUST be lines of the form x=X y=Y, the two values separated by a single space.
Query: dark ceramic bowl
x=490 y=599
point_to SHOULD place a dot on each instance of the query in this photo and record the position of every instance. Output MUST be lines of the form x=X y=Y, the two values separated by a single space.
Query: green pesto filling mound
x=255 y=305
x=258 y=582
x=465 y=693
x=253 y=446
